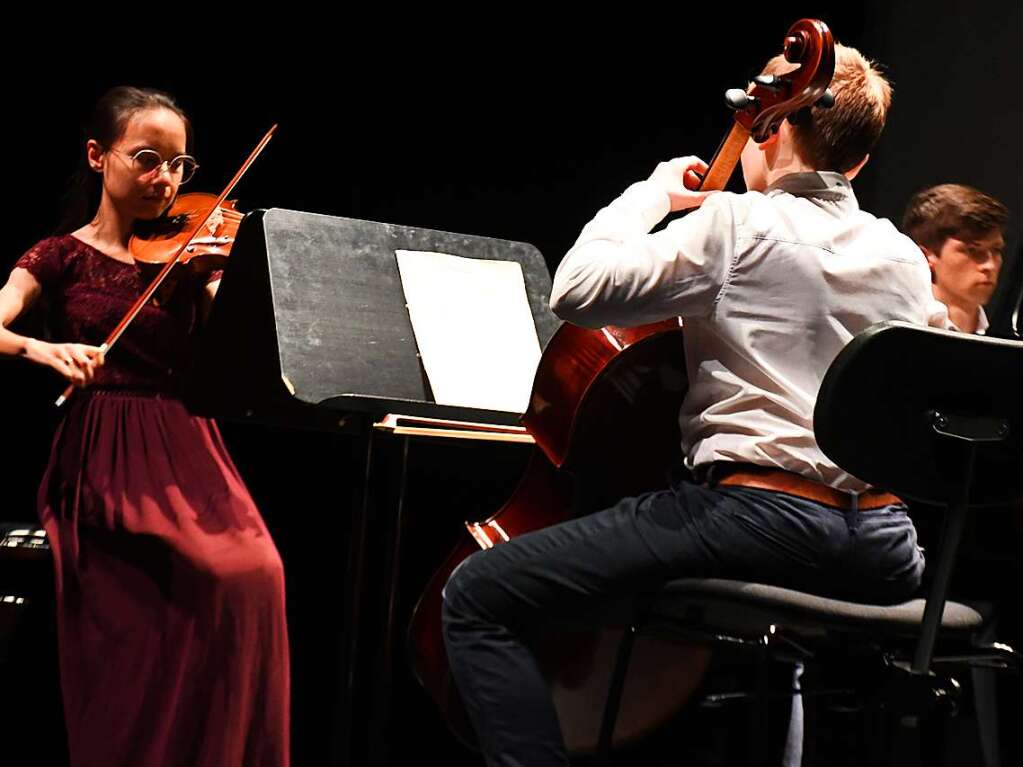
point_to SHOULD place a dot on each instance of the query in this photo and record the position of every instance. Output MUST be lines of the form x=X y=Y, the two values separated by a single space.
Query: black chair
x=929 y=415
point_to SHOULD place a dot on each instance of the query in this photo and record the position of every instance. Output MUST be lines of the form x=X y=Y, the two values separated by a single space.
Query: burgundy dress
x=170 y=592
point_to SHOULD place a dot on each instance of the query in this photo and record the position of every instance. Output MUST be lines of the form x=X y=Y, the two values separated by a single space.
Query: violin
x=203 y=249
x=604 y=415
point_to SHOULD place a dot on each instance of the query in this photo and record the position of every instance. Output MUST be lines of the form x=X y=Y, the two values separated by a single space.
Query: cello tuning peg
x=826 y=101
x=770 y=82
x=800 y=116
x=795 y=47
x=737 y=99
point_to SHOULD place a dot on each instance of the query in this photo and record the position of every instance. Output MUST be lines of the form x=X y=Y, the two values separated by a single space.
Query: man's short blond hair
x=839 y=138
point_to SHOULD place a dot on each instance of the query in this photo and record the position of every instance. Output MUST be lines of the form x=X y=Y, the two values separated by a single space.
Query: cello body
x=604 y=414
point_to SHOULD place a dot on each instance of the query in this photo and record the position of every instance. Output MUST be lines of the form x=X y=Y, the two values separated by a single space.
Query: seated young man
x=771 y=285
x=961 y=231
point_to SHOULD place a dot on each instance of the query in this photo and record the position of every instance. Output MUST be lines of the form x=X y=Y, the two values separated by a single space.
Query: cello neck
x=722 y=165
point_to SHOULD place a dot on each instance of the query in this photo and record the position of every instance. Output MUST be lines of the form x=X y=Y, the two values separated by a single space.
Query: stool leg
x=931 y=731
x=614 y=698
x=985 y=703
x=793 y=755
x=811 y=715
x=878 y=730
x=758 y=741
x=986 y=709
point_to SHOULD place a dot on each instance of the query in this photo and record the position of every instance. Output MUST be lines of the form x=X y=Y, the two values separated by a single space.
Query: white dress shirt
x=770 y=287
x=982 y=323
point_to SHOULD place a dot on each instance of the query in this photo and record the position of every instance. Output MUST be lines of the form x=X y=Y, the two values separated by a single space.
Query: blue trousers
x=500 y=596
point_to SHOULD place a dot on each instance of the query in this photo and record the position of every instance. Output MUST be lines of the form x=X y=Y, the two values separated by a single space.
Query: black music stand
x=310 y=330
x=310 y=324
x=933 y=416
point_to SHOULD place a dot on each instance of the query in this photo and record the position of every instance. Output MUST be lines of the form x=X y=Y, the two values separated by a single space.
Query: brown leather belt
x=786 y=482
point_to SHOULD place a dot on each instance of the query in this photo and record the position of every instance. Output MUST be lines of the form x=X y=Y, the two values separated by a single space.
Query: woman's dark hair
x=109 y=119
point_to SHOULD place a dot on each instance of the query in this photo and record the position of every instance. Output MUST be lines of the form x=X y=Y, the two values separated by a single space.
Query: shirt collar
x=817 y=185
x=982 y=323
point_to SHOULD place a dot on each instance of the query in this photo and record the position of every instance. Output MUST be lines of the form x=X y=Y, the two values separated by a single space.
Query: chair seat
x=751 y=608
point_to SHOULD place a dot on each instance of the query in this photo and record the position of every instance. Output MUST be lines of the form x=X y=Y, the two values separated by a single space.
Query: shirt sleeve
x=937 y=315
x=617 y=273
x=935 y=312
x=44 y=261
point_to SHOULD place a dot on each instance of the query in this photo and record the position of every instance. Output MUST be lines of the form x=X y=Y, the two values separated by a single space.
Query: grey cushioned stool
x=931 y=416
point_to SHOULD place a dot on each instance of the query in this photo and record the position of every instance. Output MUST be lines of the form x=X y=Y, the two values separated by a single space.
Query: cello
x=603 y=413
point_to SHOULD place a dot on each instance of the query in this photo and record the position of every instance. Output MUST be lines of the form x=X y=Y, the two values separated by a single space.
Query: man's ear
x=771 y=140
x=931 y=257
x=851 y=173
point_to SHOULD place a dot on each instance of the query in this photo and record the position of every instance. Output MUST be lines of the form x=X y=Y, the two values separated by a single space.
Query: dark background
x=507 y=127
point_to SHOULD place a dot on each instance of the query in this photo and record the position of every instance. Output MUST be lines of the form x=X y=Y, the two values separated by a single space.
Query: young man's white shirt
x=770 y=285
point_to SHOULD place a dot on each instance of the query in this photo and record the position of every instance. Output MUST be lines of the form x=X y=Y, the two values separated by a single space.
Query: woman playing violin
x=170 y=592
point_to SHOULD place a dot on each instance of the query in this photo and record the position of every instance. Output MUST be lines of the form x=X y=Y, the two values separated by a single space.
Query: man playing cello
x=771 y=285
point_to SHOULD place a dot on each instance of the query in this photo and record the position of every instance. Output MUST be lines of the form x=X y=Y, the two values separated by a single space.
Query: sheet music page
x=474 y=328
